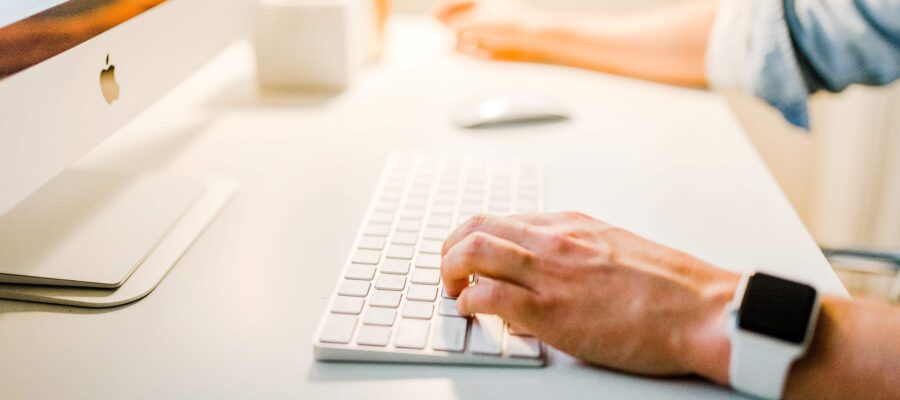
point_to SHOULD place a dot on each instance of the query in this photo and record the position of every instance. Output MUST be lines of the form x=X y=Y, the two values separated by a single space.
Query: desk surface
x=235 y=317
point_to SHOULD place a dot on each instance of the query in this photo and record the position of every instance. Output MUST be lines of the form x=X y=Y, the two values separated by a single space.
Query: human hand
x=495 y=29
x=595 y=291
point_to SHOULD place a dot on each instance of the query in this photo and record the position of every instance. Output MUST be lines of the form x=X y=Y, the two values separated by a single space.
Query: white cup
x=309 y=43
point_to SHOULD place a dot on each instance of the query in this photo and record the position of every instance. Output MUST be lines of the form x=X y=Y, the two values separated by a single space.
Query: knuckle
x=559 y=240
x=475 y=242
x=607 y=253
x=473 y=246
x=609 y=233
x=527 y=230
x=526 y=258
x=474 y=223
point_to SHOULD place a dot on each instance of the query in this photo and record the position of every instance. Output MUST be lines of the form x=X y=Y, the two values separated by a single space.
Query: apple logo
x=108 y=84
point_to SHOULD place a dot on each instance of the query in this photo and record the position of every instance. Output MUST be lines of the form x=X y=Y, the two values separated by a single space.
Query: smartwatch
x=771 y=322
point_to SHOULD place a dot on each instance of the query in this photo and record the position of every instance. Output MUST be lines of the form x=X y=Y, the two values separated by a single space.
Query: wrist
x=594 y=42
x=707 y=343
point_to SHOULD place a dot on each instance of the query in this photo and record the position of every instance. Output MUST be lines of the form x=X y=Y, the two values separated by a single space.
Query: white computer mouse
x=509 y=109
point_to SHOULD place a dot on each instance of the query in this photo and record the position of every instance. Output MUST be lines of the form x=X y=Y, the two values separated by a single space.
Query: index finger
x=486 y=255
x=516 y=231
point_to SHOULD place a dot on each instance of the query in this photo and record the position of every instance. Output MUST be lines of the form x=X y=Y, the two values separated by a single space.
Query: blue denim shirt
x=784 y=50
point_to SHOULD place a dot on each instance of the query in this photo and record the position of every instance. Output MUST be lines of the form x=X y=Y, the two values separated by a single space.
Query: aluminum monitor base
x=215 y=193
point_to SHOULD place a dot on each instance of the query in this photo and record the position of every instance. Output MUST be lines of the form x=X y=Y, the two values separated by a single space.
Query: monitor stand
x=99 y=240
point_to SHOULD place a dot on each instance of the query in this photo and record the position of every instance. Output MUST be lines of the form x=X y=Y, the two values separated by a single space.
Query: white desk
x=235 y=317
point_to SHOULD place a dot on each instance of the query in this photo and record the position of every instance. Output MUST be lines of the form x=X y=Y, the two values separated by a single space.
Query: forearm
x=855 y=352
x=665 y=44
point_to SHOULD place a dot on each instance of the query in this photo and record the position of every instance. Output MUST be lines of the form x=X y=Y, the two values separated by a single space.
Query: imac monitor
x=72 y=72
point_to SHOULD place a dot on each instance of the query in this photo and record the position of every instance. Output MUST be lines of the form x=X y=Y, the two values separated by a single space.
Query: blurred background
x=842 y=177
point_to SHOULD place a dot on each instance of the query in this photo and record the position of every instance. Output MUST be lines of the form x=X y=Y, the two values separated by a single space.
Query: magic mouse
x=507 y=110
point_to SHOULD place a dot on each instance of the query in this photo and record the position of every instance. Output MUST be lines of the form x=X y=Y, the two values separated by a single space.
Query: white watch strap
x=758 y=369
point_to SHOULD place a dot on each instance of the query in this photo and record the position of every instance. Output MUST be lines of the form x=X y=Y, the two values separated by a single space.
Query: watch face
x=776 y=307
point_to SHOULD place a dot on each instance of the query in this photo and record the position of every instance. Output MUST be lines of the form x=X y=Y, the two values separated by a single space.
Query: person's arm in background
x=783 y=50
x=615 y=299
x=778 y=50
x=666 y=44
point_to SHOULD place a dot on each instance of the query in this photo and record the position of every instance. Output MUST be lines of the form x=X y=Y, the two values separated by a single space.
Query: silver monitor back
x=55 y=111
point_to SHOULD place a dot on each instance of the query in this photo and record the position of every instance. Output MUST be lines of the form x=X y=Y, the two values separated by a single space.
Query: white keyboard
x=389 y=304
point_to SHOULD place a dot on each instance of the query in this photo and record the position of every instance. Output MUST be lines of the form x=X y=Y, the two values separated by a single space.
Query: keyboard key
x=447 y=189
x=431 y=246
x=360 y=272
x=525 y=347
x=470 y=209
x=392 y=189
x=413 y=214
x=373 y=335
x=449 y=334
x=418 y=309
x=377 y=230
x=436 y=233
x=448 y=308
x=526 y=209
x=415 y=204
x=397 y=178
x=354 y=288
x=338 y=328
x=445 y=200
x=387 y=205
x=419 y=193
x=421 y=292
x=395 y=266
x=347 y=305
x=390 y=282
x=428 y=261
x=411 y=333
x=394 y=194
x=526 y=197
x=472 y=199
x=382 y=217
x=380 y=316
x=500 y=195
x=500 y=200
x=371 y=243
x=442 y=209
x=487 y=334
x=439 y=222
x=499 y=212
x=408 y=238
x=385 y=298
x=426 y=276
x=400 y=251
x=409 y=225
x=517 y=331
x=366 y=257
x=475 y=188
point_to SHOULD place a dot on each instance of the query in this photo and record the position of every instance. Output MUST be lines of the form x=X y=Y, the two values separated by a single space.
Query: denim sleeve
x=784 y=50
